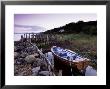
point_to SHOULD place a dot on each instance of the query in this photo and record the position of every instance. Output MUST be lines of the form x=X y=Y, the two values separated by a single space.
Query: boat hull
x=80 y=65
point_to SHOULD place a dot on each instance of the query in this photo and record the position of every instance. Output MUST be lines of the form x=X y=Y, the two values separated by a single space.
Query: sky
x=25 y=23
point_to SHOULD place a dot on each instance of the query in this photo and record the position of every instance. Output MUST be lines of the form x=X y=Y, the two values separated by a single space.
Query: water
x=17 y=37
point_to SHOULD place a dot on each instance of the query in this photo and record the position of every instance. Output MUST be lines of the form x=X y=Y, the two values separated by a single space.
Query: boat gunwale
x=74 y=61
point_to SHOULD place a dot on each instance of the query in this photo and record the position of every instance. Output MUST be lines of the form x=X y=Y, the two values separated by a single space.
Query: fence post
x=21 y=38
x=26 y=36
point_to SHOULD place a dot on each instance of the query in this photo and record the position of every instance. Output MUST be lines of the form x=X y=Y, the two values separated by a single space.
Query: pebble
x=15 y=48
x=23 y=55
x=44 y=73
x=44 y=67
x=16 y=54
x=90 y=71
x=23 y=70
x=35 y=71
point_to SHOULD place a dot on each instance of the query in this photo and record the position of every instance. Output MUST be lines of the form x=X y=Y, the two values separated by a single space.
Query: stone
x=44 y=73
x=15 y=48
x=34 y=64
x=30 y=59
x=44 y=67
x=20 y=61
x=50 y=57
x=23 y=55
x=16 y=54
x=35 y=70
x=14 y=61
x=36 y=55
x=60 y=73
x=38 y=61
x=24 y=70
x=90 y=71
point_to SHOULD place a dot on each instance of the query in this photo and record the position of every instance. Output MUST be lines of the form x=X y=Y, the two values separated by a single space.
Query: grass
x=85 y=45
x=81 y=43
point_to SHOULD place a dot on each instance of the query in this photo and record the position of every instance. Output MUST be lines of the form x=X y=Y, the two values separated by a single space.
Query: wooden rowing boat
x=70 y=58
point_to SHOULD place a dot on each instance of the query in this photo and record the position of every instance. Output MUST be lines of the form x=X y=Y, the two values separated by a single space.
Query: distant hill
x=78 y=27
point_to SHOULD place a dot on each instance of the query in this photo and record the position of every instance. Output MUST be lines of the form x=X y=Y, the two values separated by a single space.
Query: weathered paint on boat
x=69 y=57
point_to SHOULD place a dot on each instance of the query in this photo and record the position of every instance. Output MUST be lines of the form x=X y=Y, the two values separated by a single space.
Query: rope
x=44 y=57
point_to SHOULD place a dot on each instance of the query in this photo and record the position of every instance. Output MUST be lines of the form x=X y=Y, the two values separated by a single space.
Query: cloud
x=27 y=28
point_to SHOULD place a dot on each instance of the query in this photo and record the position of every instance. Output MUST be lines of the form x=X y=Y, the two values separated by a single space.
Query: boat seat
x=63 y=54
x=74 y=57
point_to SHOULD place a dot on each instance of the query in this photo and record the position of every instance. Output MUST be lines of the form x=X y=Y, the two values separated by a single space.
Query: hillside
x=78 y=27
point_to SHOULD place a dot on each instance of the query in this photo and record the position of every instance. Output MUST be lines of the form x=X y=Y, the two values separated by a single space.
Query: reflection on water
x=17 y=37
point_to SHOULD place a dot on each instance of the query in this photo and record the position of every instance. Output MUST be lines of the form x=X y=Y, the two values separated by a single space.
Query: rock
x=16 y=70
x=19 y=49
x=44 y=73
x=30 y=59
x=21 y=73
x=35 y=71
x=34 y=74
x=60 y=73
x=50 y=57
x=36 y=55
x=23 y=70
x=90 y=71
x=51 y=74
x=43 y=67
x=15 y=48
x=34 y=64
x=14 y=61
x=37 y=63
x=31 y=49
x=23 y=55
x=37 y=59
x=16 y=54
x=25 y=73
x=20 y=61
x=15 y=67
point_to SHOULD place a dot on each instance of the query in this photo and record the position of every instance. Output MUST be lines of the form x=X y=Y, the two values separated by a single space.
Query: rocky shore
x=28 y=61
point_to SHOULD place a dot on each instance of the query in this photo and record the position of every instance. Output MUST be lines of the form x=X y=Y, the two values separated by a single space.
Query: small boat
x=69 y=57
